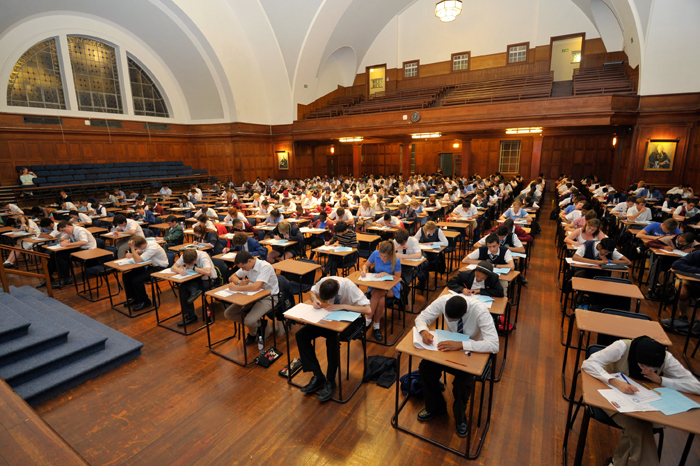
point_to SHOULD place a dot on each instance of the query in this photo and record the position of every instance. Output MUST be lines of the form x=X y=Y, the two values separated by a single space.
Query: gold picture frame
x=282 y=160
x=660 y=155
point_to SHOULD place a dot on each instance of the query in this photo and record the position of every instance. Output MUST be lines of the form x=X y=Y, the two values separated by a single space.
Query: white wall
x=339 y=70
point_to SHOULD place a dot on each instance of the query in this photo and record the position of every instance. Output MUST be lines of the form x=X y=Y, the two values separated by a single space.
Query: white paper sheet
x=307 y=313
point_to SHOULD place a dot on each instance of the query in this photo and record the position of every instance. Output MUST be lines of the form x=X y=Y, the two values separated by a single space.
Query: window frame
x=527 y=53
x=500 y=154
x=469 y=61
x=410 y=62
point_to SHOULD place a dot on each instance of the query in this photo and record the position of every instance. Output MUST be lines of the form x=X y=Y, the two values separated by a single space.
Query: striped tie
x=460 y=326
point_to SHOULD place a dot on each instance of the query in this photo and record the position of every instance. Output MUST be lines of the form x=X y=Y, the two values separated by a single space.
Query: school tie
x=336 y=300
x=493 y=257
x=460 y=326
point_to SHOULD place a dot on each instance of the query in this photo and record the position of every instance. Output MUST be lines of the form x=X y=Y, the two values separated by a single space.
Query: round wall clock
x=415 y=117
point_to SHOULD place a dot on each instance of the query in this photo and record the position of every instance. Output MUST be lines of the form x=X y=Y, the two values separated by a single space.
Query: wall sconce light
x=614 y=141
x=455 y=145
x=332 y=150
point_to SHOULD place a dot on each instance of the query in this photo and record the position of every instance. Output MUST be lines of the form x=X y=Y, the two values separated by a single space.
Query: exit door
x=332 y=167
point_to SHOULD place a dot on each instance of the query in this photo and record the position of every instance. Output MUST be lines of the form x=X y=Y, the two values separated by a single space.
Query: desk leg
x=567 y=347
x=686 y=450
x=582 y=438
x=687 y=341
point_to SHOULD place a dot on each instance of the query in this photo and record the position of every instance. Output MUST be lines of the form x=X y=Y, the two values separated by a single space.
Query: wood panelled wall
x=577 y=155
x=486 y=154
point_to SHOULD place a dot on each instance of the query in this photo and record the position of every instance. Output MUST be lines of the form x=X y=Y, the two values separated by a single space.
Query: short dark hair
x=243 y=257
x=455 y=307
x=73 y=212
x=119 y=219
x=387 y=216
x=239 y=239
x=328 y=289
x=202 y=218
x=46 y=222
x=502 y=230
x=401 y=235
x=171 y=219
x=689 y=237
x=608 y=244
x=62 y=224
x=492 y=238
x=341 y=226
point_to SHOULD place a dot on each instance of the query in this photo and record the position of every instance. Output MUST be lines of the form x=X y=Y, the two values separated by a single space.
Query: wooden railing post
x=3 y=278
x=45 y=267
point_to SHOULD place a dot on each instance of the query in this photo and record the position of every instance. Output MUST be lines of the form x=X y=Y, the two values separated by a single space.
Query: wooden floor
x=179 y=404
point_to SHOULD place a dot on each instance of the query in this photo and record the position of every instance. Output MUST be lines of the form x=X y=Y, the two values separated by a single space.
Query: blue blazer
x=254 y=248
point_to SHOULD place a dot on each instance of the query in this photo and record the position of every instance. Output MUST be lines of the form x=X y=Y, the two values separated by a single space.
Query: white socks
x=375 y=326
x=368 y=322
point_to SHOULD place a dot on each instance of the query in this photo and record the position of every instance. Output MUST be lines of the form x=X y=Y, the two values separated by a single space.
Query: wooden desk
x=228 y=257
x=83 y=256
x=298 y=268
x=97 y=230
x=474 y=364
x=239 y=299
x=180 y=247
x=687 y=422
x=177 y=279
x=622 y=290
x=124 y=269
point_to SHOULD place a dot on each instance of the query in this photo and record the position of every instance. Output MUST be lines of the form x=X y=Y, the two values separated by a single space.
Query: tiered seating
x=533 y=86
x=608 y=79
x=85 y=173
x=336 y=106
x=401 y=99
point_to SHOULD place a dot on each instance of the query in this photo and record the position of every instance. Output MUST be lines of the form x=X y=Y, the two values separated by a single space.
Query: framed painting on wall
x=282 y=160
x=660 y=155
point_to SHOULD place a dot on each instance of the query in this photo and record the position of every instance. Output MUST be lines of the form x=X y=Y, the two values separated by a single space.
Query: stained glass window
x=148 y=100
x=36 y=79
x=96 y=75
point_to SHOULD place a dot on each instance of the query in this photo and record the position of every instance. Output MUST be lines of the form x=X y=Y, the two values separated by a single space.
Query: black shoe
x=66 y=281
x=57 y=284
x=523 y=281
x=425 y=415
x=462 y=428
x=608 y=462
x=129 y=302
x=189 y=319
x=194 y=296
x=421 y=285
x=41 y=284
x=327 y=392
x=314 y=384
x=146 y=304
x=250 y=339
x=377 y=334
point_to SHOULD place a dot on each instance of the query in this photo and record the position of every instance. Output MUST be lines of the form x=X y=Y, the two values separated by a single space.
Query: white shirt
x=241 y=217
x=472 y=211
x=209 y=212
x=154 y=253
x=166 y=192
x=573 y=215
x=83 y=218
x=412 y=246
x=263 y=272
x=131 y=224
x=203 y=262
x=645 y=217
x=70 y=206
x=620 y=208
x=15 y=210
x=476 y=322
x=391 y=223
x=348 y=292
x=347 y=216
x=516 y=241
x=81 y=234
x=675 y=375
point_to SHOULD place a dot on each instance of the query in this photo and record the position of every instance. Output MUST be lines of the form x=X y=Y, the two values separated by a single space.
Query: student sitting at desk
x=480 y=280
x=185 y=203
x=156 y=208
x=388 y=220
x=464 y=315
x=516 y=212
x=72 y=235
x=494 y=253
x=23 y=224
x=165 y=191
x=590 y=232
x=233 y=213
x=432 y=202
x=577 y=213
x=175 y=235
x=406 y=213
x=641 y=359
x=367 y=213
x=208 y=211
x=141 y=250
x=403 y=198
x=206 y=237
x=79 y=217
x=465 y=211
x=686 y=210
x=408 y=247
x=243 y=242
x=253 y=275
x=238 y=225
x=639 y=212
x=145 y=216
x=345 y=237
x=658 y=264
x=206 y=222
x=333 y=294
x=581 y=221
x=200 y=262
x=301 y=214
x=290 y=232
x=385 y=262
x=655 y=230
x=506 y=238
x=99 y=209
x=598 y=253
x=13 y=209
x=342 y=214
x=123 y=225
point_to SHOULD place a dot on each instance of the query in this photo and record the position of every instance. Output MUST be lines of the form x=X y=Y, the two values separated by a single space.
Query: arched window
x=148 y=100
x=96 y=75
x=36 y=78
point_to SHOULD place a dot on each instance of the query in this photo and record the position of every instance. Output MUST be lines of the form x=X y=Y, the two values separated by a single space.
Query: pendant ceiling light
x=447 y=10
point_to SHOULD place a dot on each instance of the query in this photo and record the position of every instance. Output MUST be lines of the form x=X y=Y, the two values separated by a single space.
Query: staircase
x=47 y=348
x=7 y=195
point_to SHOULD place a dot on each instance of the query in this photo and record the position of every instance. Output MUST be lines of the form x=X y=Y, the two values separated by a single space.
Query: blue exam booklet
x=345 y=316
x=444 y=335
x=673 y=402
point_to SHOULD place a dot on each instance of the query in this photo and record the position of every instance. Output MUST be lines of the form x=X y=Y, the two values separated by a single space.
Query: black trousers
x=187 y=289
x=430 y=373
x=60 y=260
x=134 y=283
x=309 y=361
